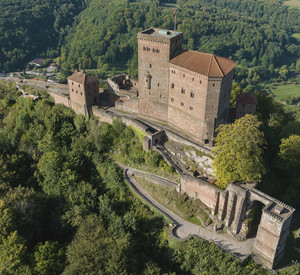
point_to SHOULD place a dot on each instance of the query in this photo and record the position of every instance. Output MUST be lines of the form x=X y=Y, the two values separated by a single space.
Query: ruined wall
x=199 y=189
x=129 y=106
x=60 y=98
x=243 y=109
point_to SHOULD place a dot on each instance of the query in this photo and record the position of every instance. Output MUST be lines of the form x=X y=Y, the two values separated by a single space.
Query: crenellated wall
x=229 y=207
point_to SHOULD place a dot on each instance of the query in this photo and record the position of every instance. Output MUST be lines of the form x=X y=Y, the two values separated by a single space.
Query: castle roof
x=81 y=77
x=246 y=98
x=203 y=63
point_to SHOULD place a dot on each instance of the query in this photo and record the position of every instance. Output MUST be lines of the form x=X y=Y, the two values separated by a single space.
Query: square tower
x=84 y=92
x=156 y=48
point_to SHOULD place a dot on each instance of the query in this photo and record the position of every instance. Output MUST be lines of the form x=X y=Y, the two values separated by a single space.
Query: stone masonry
x=229 y=207
x=188 y=90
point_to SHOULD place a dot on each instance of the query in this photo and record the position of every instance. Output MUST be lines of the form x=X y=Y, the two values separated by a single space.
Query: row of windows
x=173 y=72
x=86 y=85
x=76 y=92
x=153 y=50
x=192 y=94
x=182 y=103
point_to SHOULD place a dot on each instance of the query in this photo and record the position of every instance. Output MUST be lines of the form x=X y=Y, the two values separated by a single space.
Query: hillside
x=33 y=27
x=257 y=35
x=65 y=207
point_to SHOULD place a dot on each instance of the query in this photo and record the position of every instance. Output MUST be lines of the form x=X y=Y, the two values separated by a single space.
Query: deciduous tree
x=239 y=151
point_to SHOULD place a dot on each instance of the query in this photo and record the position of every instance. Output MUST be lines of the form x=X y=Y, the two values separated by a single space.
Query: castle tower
x=199 y=93
x=155 y=49
x=272 y=233
x=84 y=92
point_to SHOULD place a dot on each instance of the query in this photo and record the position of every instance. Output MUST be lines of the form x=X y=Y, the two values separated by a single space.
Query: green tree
x=290 y=152
x=48 y=258
x=239 y=151
x=12 y=254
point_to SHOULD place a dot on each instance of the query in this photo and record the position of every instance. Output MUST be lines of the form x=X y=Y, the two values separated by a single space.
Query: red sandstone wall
x=190 y=105
x=60 y=99
x=154 y=53
x=197 y=188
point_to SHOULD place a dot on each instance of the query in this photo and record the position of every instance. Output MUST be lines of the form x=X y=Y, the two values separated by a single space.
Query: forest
x=65 y=207
x=258 y=35
x=33 y=28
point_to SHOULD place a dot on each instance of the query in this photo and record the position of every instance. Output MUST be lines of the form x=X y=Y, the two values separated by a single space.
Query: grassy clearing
x=282 y=92
x=292 y=3
x=296 y=35
x=189 y=209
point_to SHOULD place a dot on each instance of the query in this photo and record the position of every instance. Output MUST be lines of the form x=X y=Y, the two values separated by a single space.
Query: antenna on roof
x=175 y=19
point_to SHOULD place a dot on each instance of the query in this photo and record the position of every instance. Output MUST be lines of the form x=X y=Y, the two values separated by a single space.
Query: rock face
x=195 y=160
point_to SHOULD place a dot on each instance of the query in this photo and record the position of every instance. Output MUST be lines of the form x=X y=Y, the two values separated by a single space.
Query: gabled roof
x=246 y=98
x=81 y=77
x=203 y=63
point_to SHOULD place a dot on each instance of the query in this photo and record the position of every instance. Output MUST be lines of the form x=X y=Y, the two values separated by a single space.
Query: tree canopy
x=239 y=151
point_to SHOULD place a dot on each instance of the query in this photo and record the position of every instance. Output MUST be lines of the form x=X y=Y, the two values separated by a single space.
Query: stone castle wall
x=60 y=98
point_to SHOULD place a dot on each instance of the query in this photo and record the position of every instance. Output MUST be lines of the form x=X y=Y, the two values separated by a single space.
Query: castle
x=190 y=92
x=186 y=89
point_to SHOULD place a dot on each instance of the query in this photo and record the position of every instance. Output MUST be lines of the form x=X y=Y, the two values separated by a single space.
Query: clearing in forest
x=282 y=92
x=292 y=3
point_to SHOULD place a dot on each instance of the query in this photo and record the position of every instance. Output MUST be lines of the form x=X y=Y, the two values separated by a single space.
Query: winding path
x=183 y=229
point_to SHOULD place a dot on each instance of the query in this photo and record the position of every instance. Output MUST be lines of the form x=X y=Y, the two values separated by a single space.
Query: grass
x=292 y=3
x=296 y=35
x=149 y=205
x=139 y=133
x=282 y=92
x=143 y=167
x=189 y=209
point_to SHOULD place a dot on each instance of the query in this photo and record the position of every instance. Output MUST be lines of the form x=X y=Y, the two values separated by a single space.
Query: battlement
x=161 y=35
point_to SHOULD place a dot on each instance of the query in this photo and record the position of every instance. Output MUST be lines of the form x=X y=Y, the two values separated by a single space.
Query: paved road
x=186 y=229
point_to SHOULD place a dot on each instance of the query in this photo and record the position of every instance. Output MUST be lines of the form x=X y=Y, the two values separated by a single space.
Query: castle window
x=79 y=85
x=172 y=85
x=172 y=99
x=192 y=94
x=200 y=81
x=150 y=65
x=214 y=84
x=183 y=75
x=80 y=93
x=72 y=90
x=157 y=84
x=182 y=91
x=76 y=92
x=182 y=104
x=72 y=83
x=191 y=108
x=148 y=49
x=144 y=48
x=206 y=141
x=193 y=79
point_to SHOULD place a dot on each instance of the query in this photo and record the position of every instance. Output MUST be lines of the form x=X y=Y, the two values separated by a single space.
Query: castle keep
x=83 y=91
x=186 y=89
